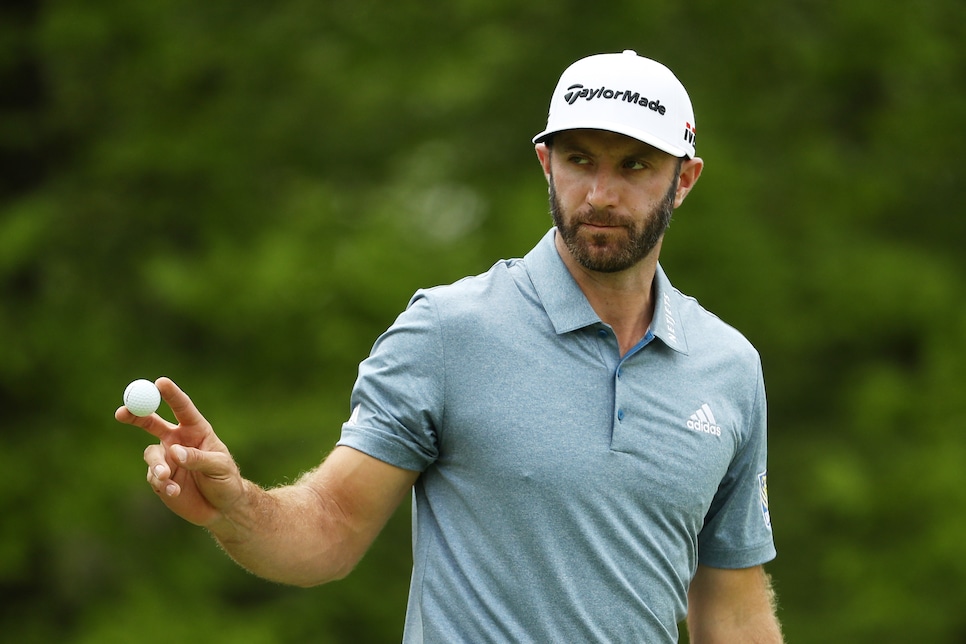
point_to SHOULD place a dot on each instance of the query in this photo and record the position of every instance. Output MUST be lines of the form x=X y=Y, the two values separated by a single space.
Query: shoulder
x=713 y=344
x=477 y=294
x=690 y=328
x=712 y=327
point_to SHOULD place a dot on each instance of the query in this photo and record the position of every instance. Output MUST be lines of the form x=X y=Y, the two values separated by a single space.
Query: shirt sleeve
x=397 y=398
x=737 y=531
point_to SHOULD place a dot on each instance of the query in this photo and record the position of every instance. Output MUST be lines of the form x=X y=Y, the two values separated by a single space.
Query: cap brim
x=640 y=135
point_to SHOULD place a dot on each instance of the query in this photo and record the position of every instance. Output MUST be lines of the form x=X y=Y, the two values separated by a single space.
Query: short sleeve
x=397 y=398
x=737 y=531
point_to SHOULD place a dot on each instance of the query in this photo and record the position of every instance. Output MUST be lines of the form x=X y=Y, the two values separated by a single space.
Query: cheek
x=561 y=187
x=571 y=188
x=570 y=201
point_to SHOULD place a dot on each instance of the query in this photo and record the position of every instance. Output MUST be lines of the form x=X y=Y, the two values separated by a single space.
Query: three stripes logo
x=703 y=421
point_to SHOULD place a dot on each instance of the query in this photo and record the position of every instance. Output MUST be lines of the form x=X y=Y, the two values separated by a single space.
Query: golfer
x=585 y=446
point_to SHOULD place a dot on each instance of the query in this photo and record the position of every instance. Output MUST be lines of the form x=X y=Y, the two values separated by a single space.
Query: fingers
x=153 y=424
x=191 y=426
x=184 y=410
x=164 y=462
x=190 y=468
x=160 y=471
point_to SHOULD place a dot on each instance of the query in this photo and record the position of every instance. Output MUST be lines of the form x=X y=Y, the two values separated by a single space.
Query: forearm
x=732 y=606
x=762 y=628
x=291 y=535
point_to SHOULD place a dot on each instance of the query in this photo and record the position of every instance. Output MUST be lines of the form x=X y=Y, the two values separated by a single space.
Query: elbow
x=313 y=582
x=313 y=576
x=310 y=583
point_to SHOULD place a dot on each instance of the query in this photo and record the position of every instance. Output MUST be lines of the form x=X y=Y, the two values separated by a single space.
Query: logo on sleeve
x=763 y=497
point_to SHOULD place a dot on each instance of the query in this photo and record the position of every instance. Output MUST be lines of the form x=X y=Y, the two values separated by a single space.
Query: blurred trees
x=242 y=197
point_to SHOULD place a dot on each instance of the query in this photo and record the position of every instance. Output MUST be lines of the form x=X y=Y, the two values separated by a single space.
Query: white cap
x=627 y=94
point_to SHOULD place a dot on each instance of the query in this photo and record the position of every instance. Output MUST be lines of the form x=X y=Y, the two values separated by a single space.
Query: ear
x=690 y=171
x=543 y=153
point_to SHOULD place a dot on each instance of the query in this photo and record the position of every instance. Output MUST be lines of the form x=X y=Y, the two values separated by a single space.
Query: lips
x=602 y=224
x=598 y=227
x=599 y=219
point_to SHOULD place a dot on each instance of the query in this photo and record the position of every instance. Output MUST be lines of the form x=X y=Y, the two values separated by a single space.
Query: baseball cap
x=624 y=93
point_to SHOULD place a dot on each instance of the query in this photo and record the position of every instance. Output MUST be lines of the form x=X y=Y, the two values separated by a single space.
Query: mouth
x=602 y=220
x=599 y=227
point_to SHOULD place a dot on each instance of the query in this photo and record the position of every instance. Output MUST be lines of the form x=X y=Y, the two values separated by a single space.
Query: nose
x=603 y=191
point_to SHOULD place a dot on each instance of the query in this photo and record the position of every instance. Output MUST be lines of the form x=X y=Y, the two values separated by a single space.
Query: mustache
x=596 y=217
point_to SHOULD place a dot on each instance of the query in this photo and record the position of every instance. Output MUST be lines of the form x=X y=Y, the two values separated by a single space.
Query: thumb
x=216 y=465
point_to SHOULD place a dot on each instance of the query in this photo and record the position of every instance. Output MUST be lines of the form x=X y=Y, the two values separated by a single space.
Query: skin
x=307 y=533
x=607 y=185
x=316 y=530
x=727 y=606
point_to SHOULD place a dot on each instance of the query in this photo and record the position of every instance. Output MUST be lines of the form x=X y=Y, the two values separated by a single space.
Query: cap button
x=630 y=52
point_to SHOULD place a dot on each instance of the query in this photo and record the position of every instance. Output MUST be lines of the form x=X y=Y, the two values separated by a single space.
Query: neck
x=624 y=300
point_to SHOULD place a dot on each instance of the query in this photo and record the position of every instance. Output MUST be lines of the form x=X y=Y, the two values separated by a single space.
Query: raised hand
x=190 y=469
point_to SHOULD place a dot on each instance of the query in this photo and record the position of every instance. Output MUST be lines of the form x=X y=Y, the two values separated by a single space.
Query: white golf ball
x=142 y=398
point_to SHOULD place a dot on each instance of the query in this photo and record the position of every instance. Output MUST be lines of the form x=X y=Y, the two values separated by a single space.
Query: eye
x=578 y=159
x=635 y=164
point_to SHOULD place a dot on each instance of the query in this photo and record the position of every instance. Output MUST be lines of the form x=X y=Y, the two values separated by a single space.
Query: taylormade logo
x=578 y=91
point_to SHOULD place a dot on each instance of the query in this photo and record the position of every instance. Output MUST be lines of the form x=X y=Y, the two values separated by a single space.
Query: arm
x=307 y=533
x=317 y=529
x=732 y=606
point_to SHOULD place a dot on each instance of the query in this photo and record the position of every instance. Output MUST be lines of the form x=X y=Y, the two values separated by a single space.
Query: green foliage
x=244 y=196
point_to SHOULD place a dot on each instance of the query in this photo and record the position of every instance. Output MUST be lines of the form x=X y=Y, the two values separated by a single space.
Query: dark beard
x=593 y=253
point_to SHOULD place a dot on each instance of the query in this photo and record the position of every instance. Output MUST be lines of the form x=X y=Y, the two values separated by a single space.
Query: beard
x=600 y=252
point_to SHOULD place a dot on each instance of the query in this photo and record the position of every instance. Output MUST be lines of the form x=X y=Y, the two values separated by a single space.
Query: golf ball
x=142 y=398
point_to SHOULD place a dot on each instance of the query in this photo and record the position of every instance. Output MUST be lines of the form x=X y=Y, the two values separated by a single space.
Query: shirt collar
x=666 y=323
x=568 y=308
x=562 y=298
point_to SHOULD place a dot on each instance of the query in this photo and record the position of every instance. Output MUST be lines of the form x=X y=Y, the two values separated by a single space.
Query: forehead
x=604 y=141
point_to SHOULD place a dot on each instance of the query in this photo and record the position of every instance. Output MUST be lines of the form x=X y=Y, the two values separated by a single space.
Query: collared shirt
x=567 y=493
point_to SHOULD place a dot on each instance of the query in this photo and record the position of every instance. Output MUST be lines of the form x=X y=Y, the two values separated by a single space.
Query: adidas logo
x=703 y=421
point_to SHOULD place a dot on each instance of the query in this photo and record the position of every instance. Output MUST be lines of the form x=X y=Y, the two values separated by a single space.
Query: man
x=585 y=445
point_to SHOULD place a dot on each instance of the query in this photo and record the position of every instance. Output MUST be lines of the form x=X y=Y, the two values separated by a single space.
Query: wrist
x=235 y=523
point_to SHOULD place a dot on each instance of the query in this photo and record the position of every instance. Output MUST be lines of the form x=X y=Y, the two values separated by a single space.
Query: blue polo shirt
x=566 y=493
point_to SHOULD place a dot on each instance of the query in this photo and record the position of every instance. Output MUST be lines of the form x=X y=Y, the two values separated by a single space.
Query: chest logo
x=703 y=421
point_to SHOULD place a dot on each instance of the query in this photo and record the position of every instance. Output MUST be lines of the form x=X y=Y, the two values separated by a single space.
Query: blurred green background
x=242 y=196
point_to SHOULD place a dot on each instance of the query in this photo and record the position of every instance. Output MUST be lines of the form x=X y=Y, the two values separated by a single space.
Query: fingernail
x=171 y=489
x=180 y=453
x=158 y=470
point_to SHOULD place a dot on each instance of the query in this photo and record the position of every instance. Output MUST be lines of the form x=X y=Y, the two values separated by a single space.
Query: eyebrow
x=642 y=151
